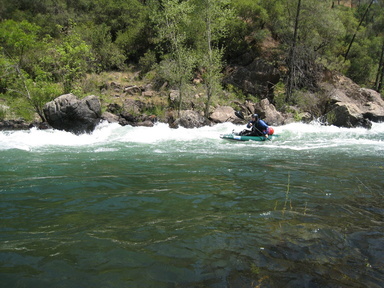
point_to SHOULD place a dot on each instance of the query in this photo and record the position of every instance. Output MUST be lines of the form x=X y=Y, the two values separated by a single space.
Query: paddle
x=266 y=137
x=241 y=116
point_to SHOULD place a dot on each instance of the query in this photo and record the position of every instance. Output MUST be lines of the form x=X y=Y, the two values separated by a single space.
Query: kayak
x=236 y=137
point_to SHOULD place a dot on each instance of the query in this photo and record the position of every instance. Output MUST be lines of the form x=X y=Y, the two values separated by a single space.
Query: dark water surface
x=155 y=207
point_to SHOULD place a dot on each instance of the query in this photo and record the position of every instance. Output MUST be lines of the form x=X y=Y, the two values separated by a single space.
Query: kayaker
x=258 y=127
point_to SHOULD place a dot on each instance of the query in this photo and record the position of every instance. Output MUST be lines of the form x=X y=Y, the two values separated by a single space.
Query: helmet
x=256 y=116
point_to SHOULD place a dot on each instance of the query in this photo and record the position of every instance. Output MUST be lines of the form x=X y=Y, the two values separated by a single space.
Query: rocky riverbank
x=338 y=102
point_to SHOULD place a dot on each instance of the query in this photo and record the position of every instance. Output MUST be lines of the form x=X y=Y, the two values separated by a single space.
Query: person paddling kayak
x=258 y=127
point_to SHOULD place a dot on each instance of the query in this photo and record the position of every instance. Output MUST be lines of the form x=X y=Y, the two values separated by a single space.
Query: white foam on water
x=295 y=136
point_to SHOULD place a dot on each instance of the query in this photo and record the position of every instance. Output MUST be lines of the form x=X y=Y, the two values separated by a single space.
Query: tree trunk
x=357 y=29
x=208 y=22
x=380 y=71
x=292 y=55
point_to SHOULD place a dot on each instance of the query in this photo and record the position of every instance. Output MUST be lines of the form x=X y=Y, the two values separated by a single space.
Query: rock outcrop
x=223 y=114
x=131 y=114
x=68 y=113
x=255 y=77
x=353 y=106
x=190 y=119
x=10 y=125
x=268 y=113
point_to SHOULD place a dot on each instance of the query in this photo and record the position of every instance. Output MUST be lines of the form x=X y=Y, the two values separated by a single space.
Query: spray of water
x=292 y=136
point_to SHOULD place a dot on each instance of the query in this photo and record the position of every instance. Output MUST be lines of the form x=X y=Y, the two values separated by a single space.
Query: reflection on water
x=100 y=211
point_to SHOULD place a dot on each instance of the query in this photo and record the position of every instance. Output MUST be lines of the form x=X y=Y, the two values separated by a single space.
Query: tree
x=23 y=81
x=34 y=68
x=107 y=54
x=127 y=21
x=215 y=15
x=178 y=61
x=292 y=55
x=357 y=29
x=68 y=59
x=380 y=71
x=378 y=28
x=314 y=34
x=17 y=40
x=363 y=44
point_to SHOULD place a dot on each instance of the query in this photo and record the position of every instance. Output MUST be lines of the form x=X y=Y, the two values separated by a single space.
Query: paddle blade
x=239 y=114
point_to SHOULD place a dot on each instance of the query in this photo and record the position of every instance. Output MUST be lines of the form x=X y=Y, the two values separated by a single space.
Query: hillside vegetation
x=53 y=47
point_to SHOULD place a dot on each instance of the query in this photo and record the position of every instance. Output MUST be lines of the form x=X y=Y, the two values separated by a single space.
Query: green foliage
x=277 y=16
x=320 y=26
x=252 y=12
x=147 y=62
x=255 y=17
x=40 y=93
x=364 y=41
x=331 y=117
x=178 y=68
x=179 y=61
x=20 y=45
x=214 y=16
x=68 y=60
x=315 y=30
x=362 y=67
x=3 y=112
x=234 y=92
x=157 y=109
x=255 y=270
x=107 y=54
x=211 y=74
x=170 y=21
x=279 y=95
x=119 y=15
x=30 y=66
x=18 y=37
x=308 y=101
x=127 y=21
x=41 y=45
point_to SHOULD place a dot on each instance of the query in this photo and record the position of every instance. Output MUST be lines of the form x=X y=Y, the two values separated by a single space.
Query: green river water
x=159 y=207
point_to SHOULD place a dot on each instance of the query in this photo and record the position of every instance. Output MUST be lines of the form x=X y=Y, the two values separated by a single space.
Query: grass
x=3 y=113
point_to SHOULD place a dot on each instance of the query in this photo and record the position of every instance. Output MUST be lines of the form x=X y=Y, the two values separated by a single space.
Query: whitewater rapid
x=292 y=136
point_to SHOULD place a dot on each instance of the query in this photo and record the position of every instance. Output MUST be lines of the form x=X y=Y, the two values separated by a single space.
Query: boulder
x=223 y=114
x=190 y=119
x=174 y=96
x=268 y=113
x=347 y=115
x=373 y=106
x=68 y=113
x=110 y=117
x=129 y=114
x=353 y=106
x=134 y=106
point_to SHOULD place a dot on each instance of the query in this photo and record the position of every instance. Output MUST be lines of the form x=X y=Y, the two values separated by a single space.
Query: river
x=160 y=207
